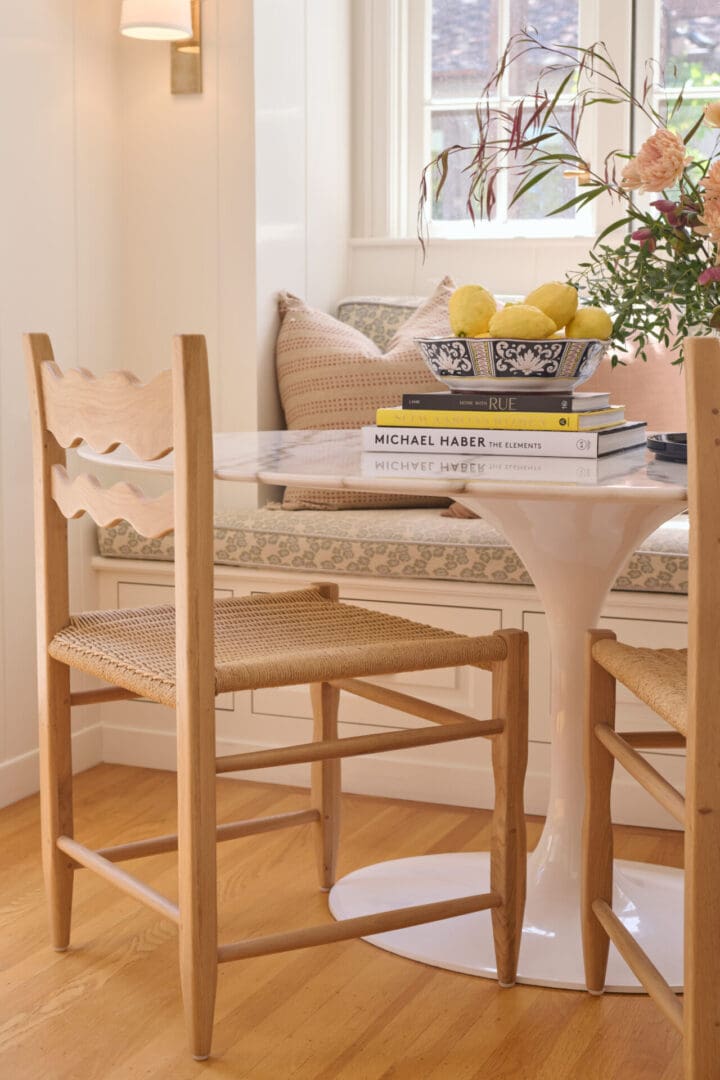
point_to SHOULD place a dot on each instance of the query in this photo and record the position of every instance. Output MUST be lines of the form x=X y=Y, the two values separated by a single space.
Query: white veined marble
x=334 y=459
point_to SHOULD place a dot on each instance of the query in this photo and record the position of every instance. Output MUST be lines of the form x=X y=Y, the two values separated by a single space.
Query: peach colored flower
x=631 y=179
x=711 y=183
x=709 y=220
x=711 y=114
x=659 y=163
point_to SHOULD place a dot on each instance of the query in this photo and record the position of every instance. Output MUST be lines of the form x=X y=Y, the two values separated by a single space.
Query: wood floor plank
x=110 y=1009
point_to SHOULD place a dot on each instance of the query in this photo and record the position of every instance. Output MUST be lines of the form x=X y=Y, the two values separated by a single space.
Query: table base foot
x=647 y=898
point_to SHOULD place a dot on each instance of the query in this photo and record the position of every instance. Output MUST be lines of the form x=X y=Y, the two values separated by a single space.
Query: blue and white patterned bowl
x=502 y=364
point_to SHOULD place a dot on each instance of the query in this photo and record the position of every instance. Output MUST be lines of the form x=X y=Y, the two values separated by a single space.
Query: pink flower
x=710 y=217
x=645 y=239
x=711 y=183
x=710 y=221
x=665 y=206
x=711 y=274
x=659 y=163
x=712 y=114
x=631 y=179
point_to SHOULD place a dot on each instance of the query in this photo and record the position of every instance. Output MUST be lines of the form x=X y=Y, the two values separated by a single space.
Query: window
x=421 y=65
x=687 y=45
x=463 y=46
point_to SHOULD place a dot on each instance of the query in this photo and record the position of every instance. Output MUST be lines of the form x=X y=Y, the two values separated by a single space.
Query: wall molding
x=399 y=775
x=20 y=776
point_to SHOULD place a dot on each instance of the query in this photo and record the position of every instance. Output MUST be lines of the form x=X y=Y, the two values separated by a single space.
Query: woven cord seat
x=658 y=677
x=278 y=639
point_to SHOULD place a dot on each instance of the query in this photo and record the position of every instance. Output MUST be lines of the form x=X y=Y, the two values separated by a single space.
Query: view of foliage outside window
x=690 y=60
x=468 y=37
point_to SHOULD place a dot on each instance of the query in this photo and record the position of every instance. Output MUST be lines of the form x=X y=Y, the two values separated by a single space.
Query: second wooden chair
x=683 y=688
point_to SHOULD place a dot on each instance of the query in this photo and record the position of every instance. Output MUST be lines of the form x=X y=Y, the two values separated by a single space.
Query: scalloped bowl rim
x=526 y=341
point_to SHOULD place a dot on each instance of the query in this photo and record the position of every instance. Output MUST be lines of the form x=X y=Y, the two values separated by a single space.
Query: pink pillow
x=331 y=375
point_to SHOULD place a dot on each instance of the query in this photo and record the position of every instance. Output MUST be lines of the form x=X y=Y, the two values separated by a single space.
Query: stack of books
x=571 y=425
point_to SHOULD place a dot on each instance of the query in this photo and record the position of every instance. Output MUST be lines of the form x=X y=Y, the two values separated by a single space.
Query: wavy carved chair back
x=172 y=412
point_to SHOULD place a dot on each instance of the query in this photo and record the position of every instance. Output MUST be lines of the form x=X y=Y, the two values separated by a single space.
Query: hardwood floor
x=109 y=1009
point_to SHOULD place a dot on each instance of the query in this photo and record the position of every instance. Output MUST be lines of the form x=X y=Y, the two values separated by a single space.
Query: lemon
x=521 y=321
x=471 y=308
x=557 y=300
x=590 y=322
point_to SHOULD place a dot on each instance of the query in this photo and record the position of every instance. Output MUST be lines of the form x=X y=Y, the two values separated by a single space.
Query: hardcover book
x=565 y=444
x=613 y=416
x=475 y=401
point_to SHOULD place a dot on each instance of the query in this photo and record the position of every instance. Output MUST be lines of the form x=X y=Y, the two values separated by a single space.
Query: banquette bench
x=413 y=562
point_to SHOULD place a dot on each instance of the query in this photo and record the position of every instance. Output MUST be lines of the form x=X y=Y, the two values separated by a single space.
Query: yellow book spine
x=497 y=421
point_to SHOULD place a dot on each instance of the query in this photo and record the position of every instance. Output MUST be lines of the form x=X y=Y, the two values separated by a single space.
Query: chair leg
x=508 y=857
x=326 y=783
x=197 y=877
x=56 y=798
x=597 y=875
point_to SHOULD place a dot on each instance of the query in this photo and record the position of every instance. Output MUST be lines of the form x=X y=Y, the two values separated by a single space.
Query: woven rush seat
x=658 y=677
x=277 y=639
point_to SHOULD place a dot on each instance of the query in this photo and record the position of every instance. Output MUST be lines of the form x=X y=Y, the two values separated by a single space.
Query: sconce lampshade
x=157 y=20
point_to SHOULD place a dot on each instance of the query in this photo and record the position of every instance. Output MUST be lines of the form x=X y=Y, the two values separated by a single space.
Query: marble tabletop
x=334 y=459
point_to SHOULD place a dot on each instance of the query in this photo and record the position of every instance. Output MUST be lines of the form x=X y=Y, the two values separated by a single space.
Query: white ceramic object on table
x=573 y=538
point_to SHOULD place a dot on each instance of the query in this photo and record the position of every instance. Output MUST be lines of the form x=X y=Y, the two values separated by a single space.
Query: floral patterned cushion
x=378 y=317
x=395 y=543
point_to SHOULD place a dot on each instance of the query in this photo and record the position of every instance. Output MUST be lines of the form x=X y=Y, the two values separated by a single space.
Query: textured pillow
x=332 y=376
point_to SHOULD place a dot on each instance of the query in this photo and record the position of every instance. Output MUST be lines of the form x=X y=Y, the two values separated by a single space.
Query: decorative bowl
x=502 y=364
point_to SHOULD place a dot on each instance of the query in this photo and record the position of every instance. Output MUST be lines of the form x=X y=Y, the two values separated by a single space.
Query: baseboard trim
x=20 y=776
x=400 y=775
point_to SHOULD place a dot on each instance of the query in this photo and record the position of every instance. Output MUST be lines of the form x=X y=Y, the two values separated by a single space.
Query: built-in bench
x=455 y=573
x=395 y=544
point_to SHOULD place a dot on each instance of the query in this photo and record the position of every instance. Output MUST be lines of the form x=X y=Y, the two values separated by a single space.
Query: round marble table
x=573 y=524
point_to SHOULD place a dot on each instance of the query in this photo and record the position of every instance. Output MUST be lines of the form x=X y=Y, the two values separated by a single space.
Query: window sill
x=469 y=241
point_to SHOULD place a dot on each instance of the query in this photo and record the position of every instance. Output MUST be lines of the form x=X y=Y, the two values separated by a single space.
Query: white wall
x=128 y=214
x=58 y=273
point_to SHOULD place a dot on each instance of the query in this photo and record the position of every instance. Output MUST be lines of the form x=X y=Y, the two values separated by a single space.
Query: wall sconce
x=176 y=21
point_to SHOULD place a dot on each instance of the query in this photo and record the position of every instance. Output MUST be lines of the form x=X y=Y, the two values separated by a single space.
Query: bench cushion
x=395 y=543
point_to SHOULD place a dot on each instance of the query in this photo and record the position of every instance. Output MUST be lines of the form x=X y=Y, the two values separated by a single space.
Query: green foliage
x=650 y=283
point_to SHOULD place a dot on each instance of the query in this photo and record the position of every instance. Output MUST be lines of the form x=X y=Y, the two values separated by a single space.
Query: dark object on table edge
x=671 y=446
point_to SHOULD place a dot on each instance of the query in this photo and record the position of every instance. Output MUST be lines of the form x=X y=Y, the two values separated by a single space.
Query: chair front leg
x=326 y=783
x=56 y=799
x=597 y=875
x=197 y=872
x=508 y=855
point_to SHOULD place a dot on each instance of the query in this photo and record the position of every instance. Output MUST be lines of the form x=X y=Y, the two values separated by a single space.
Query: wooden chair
x=682 y=687
x=184 y=655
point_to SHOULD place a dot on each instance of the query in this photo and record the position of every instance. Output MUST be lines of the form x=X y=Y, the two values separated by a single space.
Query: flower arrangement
x=662 y=279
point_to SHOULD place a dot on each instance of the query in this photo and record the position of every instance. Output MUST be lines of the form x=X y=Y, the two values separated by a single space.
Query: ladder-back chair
x=682 y=687
x=184 y=654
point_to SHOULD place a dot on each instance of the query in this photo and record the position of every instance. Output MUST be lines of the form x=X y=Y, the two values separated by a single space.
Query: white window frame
x=389 y=148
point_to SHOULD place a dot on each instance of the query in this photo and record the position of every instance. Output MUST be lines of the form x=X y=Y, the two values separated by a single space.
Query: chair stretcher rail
x=364 y=926
x=124 y=881
x=357 y=744
x=158 y=845
x=653 y=781
x=640 y=964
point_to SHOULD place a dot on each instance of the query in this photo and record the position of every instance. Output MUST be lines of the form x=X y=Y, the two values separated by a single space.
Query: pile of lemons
x=548 y=311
